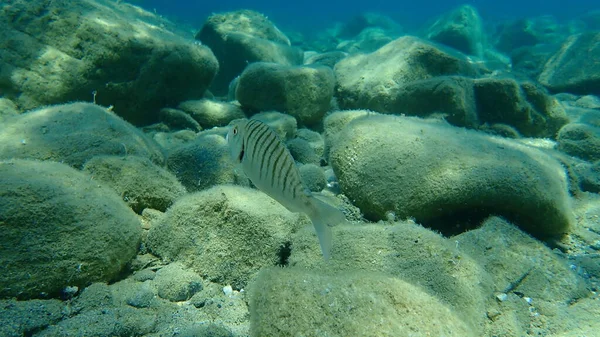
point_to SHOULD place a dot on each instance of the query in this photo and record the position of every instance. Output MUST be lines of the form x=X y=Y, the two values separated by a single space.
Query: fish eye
x=235 y=131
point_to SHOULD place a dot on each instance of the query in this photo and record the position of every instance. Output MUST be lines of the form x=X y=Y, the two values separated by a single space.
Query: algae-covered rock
x=328 y=59
x=226 y=233
x=407 y=251
x=19 y=317
x=73 y=133
x=302 y=151
x=528 y=32
x=590 y=178
x=111 y=321
x=304 y=92
x=177 y=119
x=313 y=177
x=461 y=28
x=211 y=113
x=530 y=60
x=59 y=229
x=284 y=125
x=137 y=180
x=104 y=51
x=368 y=81
x=203 y=163
x=582 y=137
x=335 y=123
x=314 y=139
x=475 y=102
x=525 y=106
x=516 y=34
x=452 y=96
x=294 y=301
x=176 y=283
x=172 y=140
x=441 y=175
x=7 y=108
x=575 y=67
x=519 y=263
x=242 y=37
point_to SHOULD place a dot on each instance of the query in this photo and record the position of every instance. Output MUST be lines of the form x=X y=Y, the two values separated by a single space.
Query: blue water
x=305 y=15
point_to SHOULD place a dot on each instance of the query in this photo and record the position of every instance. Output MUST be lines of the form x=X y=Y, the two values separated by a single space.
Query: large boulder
x=407 y=251
x=293 y=301
x=304 y=92
x=495 y=277
x=374 y=81
x=441 y=175
x=575 y=67
x=525 y=106
x=226 y=233
x=529 y=32
x=60 y=51
x=73 y=134
x=461 y=28
x=508 y=254
x=60 y=229
x=242 y=37
x=475 y=102
x=452 y=96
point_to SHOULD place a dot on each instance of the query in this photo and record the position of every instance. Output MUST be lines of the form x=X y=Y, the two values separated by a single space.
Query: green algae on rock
x=59 y=229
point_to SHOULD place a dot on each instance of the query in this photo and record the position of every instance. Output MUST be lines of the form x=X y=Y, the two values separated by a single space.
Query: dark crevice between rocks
x=456 y=222
x=284 y=254
x=459 y=222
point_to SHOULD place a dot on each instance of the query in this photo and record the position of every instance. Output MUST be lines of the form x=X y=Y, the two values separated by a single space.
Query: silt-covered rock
x=59 y=229
x=439 y=174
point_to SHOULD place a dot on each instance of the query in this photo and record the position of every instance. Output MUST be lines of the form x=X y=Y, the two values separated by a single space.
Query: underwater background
x=179 y=168
x=307 y=15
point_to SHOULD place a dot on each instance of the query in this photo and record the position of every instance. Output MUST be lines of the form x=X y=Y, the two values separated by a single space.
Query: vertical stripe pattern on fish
x=268 y=163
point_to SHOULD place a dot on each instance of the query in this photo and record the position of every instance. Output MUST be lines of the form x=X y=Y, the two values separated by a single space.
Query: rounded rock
x=60 y=229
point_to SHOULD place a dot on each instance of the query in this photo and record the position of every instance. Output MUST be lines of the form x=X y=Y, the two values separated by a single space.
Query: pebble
x=228 y=290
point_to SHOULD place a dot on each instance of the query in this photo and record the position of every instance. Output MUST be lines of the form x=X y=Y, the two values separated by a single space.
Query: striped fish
x=271 y=168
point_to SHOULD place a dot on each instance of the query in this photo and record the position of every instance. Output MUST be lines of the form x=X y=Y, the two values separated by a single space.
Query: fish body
x=268 y=163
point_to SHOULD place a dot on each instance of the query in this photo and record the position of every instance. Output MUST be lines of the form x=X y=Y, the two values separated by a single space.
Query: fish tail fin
x=323 y=217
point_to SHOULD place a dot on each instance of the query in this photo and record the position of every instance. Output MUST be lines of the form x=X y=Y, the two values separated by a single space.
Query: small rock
x=228 y=290
x=313 y=177
x=176 y=283
x=142 y=298
x=144 y=275
x=210 y=113
x=501 y=297
x=177 y=120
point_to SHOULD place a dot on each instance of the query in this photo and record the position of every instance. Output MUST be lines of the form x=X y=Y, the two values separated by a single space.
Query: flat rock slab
x=575 y=67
